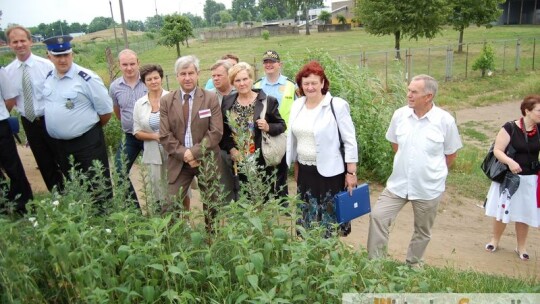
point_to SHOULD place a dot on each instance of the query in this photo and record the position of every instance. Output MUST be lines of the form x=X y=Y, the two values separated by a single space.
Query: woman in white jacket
x=316 y=123
x=146 y=128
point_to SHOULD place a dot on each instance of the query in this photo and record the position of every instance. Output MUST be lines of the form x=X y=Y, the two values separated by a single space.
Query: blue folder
x=350 y=207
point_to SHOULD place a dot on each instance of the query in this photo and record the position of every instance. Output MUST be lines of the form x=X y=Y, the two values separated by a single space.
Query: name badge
x=205 y=113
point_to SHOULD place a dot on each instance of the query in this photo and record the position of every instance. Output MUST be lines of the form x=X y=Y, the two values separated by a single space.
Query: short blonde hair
x=237 y=68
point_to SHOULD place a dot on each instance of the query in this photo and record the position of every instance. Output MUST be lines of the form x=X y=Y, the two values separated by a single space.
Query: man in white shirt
x=425 y=139
x=18 y=191
x=31 y=104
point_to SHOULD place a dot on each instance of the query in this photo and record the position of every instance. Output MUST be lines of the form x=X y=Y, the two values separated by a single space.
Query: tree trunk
x=397 y=37
x=460 y=42
x=306 y=14
x=187 y=42
x=178 y=49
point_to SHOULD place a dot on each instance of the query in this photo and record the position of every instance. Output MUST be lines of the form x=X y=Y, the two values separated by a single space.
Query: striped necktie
x=27 y=92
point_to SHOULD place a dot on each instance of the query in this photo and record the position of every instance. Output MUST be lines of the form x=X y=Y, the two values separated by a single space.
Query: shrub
x=265 y=34
x=486 y=61
x=371 y=109
x=65 y=253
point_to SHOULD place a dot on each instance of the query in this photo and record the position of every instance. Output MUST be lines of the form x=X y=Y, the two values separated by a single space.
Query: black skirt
x=317 y=195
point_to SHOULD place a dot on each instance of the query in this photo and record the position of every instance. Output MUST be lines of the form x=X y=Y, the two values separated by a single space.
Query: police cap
x=58 y=45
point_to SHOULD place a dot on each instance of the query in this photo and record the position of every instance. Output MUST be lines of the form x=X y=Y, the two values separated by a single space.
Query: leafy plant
x=341 y=19
x=486 y=61
x=265 y=34
x=371 y=109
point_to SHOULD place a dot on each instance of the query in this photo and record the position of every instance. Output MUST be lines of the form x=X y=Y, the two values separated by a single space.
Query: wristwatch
x=351 y=173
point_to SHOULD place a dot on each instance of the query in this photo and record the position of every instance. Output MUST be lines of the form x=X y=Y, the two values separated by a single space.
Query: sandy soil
x=461 y=230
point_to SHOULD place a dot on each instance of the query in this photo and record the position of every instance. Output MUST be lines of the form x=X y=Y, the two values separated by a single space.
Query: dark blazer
x=172 y=128
x=276 y=123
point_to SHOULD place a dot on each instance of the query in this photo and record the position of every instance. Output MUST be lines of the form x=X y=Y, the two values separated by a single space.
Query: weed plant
x=66 y=253
x=371 y=109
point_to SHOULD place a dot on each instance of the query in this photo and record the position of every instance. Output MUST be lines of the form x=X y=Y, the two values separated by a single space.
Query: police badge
x=69 y=104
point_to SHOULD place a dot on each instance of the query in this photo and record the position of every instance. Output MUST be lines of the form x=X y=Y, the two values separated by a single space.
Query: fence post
x=504 y=56
x=428 y=60
x=534 y=52
x=386 y=70
x=467 y=61
x=408 y=64
x=449 y=61
x=518 y=50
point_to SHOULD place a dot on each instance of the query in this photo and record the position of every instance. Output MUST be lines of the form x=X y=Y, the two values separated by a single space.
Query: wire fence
x=446 y=62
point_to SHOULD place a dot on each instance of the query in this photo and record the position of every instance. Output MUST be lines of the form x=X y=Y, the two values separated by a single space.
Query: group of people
x=63 y=108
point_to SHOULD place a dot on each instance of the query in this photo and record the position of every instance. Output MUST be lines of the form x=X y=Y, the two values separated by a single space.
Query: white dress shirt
x=420 y=169
x=39 y=68
x=7 y=91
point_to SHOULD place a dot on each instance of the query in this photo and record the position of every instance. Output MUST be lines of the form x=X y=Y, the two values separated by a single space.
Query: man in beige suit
x=183 y=141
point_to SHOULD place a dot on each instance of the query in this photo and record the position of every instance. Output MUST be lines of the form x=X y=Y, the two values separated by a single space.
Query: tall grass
x=65 y=253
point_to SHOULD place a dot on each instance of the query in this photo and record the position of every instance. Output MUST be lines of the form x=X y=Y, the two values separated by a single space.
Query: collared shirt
x=283 y=90
x=38 y=70
x=74 y=102
x=7 y=91
x=420 y=169
x=125 y=97
x=276 y=89
x=188 y=139
x=220 y=97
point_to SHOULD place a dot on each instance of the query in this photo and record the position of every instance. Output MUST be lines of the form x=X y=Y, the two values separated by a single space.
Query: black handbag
x=492 y=167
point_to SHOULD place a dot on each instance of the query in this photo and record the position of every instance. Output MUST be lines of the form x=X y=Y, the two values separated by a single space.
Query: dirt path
x=461 y=229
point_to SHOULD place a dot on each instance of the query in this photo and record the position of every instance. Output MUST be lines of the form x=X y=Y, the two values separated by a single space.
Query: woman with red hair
x=319 y=125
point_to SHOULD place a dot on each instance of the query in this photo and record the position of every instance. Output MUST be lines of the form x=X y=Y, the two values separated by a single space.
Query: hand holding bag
x=492 y=167
x=273 y=147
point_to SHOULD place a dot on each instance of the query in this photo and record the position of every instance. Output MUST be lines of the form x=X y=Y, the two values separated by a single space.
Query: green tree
x=341 y=19
x=466 y=12
x=486 y=61
x=239 y=5
x=304 y=6
x=153 y=24
x=211 y=7
x=97 y=24
x=176 y=29
x=196 y=21
x=243 y=16
x=224 y=17
x=414 y=18
x=76 y=27
x=134 y=25
x=273 y=9
x=325 y=17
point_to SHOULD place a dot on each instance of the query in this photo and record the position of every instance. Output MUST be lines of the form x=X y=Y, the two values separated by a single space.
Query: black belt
x=37 y=119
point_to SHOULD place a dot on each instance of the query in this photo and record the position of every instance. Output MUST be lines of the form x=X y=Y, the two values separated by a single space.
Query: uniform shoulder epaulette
x=290 y=80
x=84 y=75
x=49 y=74
x=260 y=79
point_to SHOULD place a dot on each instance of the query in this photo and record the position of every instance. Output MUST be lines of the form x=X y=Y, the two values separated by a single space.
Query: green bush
x=371 y=109
x=65 y=253
x=486 y=61
x=265 y=34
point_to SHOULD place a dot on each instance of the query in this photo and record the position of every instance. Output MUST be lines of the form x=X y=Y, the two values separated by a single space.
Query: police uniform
x=19 y=190
x=284 y=90
x=74 y=103
x=41 y=144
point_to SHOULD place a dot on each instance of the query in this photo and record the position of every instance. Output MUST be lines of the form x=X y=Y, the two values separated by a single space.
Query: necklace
x=522 y=126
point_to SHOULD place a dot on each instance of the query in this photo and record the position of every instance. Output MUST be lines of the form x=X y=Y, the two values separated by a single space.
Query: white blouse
x=303 y=130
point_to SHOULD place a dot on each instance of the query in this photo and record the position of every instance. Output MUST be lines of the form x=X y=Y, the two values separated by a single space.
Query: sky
x=30 y=13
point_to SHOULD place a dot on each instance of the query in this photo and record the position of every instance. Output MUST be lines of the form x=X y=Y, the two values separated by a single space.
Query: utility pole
x=126 y=44
x=155 y=5
x=114 y=28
